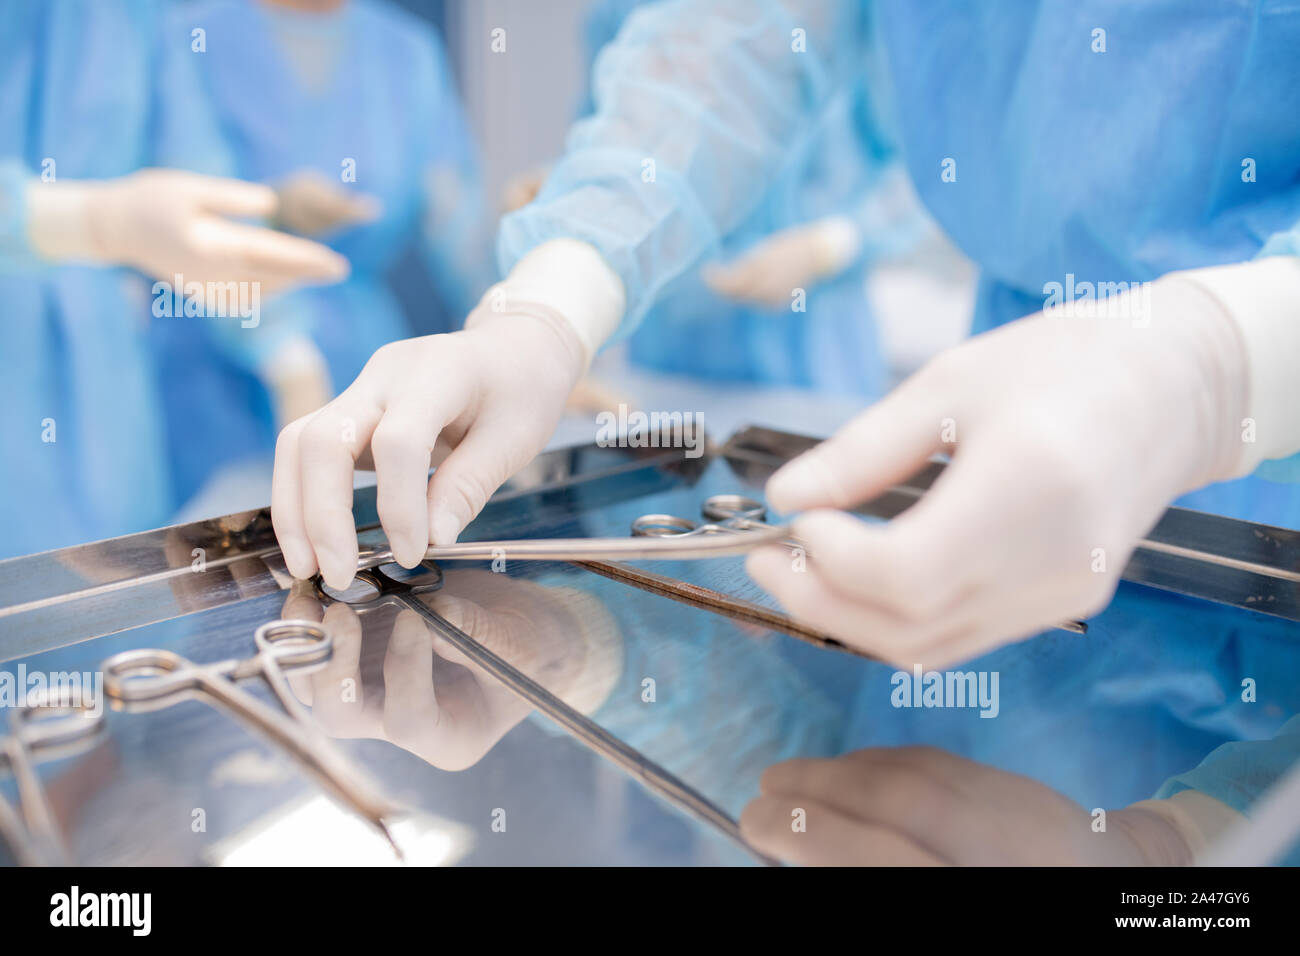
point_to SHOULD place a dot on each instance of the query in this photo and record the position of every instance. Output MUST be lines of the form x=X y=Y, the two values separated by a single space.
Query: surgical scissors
x=42 y=731
x=147 y=680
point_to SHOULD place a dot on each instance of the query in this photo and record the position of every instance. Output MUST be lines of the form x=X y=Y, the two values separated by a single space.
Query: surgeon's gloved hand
x=478 y=404
x=795 y=258
x=168 y=222
x=918 y=806
x=1069 y=435
x=310 y=204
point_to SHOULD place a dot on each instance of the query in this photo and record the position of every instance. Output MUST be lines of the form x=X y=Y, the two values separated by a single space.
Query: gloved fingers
x=999 y=617
x=460 y=613
x=749 y=279
x=871 y=628
x=522 y=189
x=316 y=209
x=410 y=699
x=491 y=700
x=890 y=787
x=254 y=253
x=354 y=208
x=803 y=830
x=490 y=452
x=302 y=603
x=732 y=279
x=936 y=799
x=1007 y=546
x=496 y=631
x=328 y=447
x=882 y=446
x=232 y=197
x=915 y=576
x=338 y=698
x=401 y=449
x=286 y=503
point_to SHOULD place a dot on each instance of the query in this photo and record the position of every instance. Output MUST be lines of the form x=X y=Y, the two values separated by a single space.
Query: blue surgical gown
x=832 y=345
x=75 y=82
x=1044 y=149
x=384 y=106
x=1041 y=155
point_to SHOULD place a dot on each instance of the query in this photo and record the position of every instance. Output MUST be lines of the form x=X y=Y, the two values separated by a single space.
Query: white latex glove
x=795 y=258
x=1072 y=434
x=918 y=806
x=167 y=222
x=310 y=204
x=478 y=403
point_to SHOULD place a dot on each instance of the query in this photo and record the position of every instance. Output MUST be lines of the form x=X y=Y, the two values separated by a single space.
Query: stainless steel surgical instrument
x=744 y=535
x=48 y=728
x=726 y=514
x=151 y=679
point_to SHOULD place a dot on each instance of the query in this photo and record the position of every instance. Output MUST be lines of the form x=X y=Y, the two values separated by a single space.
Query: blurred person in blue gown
x=348 y=108
x=80 y=229
x=782 y=303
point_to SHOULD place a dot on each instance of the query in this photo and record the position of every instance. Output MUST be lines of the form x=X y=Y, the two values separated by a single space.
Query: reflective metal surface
x=597 y=712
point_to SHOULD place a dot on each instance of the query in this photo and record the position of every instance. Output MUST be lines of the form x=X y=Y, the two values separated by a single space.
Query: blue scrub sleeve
x=696 y=106
x=185 y=132
x=17 y=257
x=456 y=236
x=1284 y=470
x=1239 y=773
x=16 y=253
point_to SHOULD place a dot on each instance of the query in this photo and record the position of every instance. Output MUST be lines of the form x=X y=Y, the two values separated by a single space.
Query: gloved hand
x=478 y=404
x=918 y=806
x=795 y=258
x=310 y=204
x=167 y=222
x=1069 y=436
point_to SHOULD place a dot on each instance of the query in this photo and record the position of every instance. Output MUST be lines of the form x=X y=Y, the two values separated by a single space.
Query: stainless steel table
x=669 y=686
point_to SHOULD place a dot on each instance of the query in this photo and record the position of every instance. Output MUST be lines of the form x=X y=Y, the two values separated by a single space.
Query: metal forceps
x=148 y=680
x=42 y=731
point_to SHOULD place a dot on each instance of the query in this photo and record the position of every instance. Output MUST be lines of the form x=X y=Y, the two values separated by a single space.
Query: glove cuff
x=1199 y=819
x=59 y=221
x=1262 y=299
x=571 y=279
